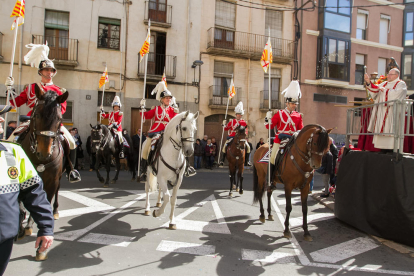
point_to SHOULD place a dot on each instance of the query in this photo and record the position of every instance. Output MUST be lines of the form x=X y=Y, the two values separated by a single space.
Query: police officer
x=19 y=179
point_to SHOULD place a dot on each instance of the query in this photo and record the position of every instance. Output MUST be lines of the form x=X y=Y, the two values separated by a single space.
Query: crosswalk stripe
x=267 y=256
x=294 y=222
x=105 y=239
x=186 y=247
x=92 y=205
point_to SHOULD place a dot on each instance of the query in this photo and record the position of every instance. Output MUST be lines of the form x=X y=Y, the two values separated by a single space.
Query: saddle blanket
x=126 y=143
x=265 y=158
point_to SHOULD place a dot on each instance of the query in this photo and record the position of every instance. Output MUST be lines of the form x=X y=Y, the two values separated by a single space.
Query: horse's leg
x=240 y=178
x=288 y=195
x=29 y=226
x=231 y=181
x=163 y=185
x=304 y=199
x=269 y=206
x=172 y=225
x=56 y=204
x=108 y=169
x=147 y=201
x=118 y=168
x=97 y=164
x=159 y=199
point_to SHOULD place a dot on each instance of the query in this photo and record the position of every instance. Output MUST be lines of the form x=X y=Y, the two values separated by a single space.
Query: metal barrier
x=360 y=122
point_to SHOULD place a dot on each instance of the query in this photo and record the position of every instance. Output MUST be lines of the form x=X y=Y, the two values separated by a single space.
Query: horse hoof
x=234 y=186
x=28 y=231
x=153 y=214
x=237 y=189
x=147 y=213
x=158 y=204
x=262 y=219
x=172 y=227
x=287 y=235
x=105 y=185
x=270 y=217
x=308 y=238
x=101 y=180
x=133 y=179
x=56 y=216
x=41 y=256
x=113 y=181
x=241 y=192
x=230 y=194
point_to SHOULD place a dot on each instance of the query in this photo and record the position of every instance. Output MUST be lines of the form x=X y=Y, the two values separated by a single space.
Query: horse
x=177 y=143
x=43 y=147
x=105 y=146
x=235 y=154
x=302 y=155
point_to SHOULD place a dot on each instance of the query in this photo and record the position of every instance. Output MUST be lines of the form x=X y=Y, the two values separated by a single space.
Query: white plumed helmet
x=37 y=53
x=161 y=90
x=239 y=108
x=292 y=93
x=116 y=101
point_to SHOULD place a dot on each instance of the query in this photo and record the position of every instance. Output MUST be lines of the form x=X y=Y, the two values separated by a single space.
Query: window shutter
x=57 y=20
x=223 y=69
x=359 y=59
x=116 y=22
x=274 y=21
x=382 y=66
x=225 y=14
x=361 y=21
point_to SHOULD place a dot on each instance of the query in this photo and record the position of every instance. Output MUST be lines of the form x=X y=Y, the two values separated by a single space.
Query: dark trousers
x=5 y=252
x=210 y=160
x=93 y=160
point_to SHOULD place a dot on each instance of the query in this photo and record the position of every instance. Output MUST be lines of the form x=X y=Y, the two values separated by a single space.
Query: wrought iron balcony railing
x=219 y=97
x=156 y=65
x=274 y=104
x=159 y=14
x=63 y=50
x=247 y=45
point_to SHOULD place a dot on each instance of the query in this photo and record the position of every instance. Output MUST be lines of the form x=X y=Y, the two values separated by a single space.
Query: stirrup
x=74 y=176
x=190 y=172
x=121 y=155
x=249 y=164
x=221 y=164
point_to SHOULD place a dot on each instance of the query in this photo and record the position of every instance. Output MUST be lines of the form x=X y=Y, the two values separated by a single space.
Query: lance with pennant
x=102 y=81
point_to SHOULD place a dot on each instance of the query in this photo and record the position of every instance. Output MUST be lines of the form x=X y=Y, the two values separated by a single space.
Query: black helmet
x=47 y=63
x=292 y=100
x=165 y=93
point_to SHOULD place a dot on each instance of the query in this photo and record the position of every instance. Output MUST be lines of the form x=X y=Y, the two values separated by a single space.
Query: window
x=333 y=59
x=338 y=19
x=108 y=98
x=148 y=90
x=407 y=70
x=156 y=56
x=157 y=10
x=68 y=116
x=359 y=68
x=223 y=72
x=57 y=34
x=384 y=28
x=109 y=33
x=274 y=22
x=225 y=14
x=382 y=67
x=362 y=24
x=408 y=31
x=329 y=98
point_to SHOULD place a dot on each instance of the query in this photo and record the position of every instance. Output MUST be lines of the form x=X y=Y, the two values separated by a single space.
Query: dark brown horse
x=235 y=156
x=295 y=171
x=43 y=147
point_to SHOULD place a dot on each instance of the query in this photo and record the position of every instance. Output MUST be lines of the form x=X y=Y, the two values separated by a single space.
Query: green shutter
x=116 y=22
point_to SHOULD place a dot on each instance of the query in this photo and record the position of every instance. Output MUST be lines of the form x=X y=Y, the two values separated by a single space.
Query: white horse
x=178 y=143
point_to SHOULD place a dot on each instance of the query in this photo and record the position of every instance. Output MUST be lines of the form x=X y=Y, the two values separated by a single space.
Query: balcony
x=159 y=14
x=1 y=46
x=63 y=50
x=156 y=65
x=219 y=97
x=275 y=103
x=247 y=45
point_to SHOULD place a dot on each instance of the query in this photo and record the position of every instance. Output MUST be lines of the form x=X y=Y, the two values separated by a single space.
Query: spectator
x=135 y=144
x=73 y=132
x=247 y=156
x=198 y=154
x=11 y=126
x=213 y=141
x=210 y=153
x=261 y=142
x=92 y=156
x=326 y=170
x=203 y=143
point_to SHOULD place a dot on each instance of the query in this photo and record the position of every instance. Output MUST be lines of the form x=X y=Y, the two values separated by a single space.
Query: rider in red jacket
x=115 y=120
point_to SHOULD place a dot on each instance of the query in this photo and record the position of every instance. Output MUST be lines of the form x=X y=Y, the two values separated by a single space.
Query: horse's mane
x=323 y=137
x=104 y=128
x=176 y=121
x=50 y=111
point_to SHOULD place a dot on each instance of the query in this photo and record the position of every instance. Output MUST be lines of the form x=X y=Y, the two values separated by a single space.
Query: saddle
x=284 y=147
x=154 y=154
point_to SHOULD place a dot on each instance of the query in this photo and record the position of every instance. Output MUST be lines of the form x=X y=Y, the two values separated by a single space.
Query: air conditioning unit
x=111 y=84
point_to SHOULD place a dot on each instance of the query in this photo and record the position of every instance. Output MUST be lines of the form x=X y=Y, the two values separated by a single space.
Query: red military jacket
x=114 y=117
x=28 y=96
x=162 y=117
x=232 y=125
x=286 y=122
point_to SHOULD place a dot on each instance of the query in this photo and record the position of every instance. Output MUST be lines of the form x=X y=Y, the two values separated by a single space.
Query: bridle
x=102 y=142
x=179 y=145
x=238 y=147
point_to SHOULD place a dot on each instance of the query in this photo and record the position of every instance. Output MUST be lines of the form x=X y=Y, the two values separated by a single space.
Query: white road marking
x=294 y=222
x=202 y=226
x=73 y=235
x=345 y=250
x=93 y=205
x=267 y=256
x=185 y=247
x=113 y=240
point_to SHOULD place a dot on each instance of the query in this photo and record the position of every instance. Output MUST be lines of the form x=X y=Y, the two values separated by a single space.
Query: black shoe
x=324 y=195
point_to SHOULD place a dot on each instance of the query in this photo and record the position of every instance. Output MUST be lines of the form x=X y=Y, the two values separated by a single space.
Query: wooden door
x=157 y=10
x=213 y=128
x=58 y=41
x=136 y=122
x=224 y=39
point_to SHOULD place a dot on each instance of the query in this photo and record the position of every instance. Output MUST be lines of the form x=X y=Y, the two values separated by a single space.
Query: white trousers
x=68 y=136
x=245 y=143
x=275 y=150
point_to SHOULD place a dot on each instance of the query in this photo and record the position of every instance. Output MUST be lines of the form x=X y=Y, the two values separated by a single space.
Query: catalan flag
x=267 y=56
x=104 y=78
x=164 y=78
x=232 y=91
x=17 y=22
x=146 y=47
x=18 y=11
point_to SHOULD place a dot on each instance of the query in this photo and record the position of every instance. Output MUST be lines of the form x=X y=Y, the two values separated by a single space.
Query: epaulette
x=63 y=90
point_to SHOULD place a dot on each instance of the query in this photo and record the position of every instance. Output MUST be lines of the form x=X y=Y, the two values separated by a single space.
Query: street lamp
x=194 y=66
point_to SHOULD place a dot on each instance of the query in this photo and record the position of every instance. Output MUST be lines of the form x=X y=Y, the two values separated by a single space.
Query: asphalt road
x=103 y=231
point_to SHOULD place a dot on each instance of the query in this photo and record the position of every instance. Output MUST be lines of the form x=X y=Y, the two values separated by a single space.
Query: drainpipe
x=186 y=58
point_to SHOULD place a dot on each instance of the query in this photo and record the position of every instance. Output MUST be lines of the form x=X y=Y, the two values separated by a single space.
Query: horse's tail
x=257 y=189
x=130 y=155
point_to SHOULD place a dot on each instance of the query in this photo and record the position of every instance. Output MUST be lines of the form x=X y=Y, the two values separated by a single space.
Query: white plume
x=37 y=53
x=293 y=90
x=239 y=108
x=158 y=89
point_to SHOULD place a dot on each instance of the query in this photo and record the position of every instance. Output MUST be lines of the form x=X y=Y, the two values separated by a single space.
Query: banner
x=267 y=56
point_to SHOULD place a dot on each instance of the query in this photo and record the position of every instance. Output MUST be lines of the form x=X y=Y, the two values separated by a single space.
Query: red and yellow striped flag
x=146 y=47
x=18 y=11
x=267 y=56
x=104 y=78
x=232 y=90
x=164 y=78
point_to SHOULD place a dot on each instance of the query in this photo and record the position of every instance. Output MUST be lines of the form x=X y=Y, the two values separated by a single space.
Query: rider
x=46 y=70
x=285 y=121
x=231 y=127
x=115 y=120
x=162 y=115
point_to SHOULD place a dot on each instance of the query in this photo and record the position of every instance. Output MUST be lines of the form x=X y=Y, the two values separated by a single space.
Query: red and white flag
x=232 y=90
x=18 y=11
x=146 y=47
x=267 y=56
x=164 y=78
x=104 y=78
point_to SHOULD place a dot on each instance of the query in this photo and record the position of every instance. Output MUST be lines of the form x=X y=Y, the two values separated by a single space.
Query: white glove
x=224 y=123
x=9 y=81
x=142 y=103
x=176 y=110
x=269 y=115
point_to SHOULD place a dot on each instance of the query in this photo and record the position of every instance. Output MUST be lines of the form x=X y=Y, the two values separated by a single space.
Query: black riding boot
x=73 y=175
x=222 y=160
x=189 y=170
x=144 y=165
x=247 y=160
x=121 y=152
x=272 y=173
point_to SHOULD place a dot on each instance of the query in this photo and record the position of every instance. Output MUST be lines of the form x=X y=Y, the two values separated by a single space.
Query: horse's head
x=180 y=131
x=317 y=145
x=45 y=121
x=97 y=134
x=240 y=138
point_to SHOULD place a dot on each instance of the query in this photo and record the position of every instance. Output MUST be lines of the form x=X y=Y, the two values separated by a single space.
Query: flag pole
x=9 y=88
x=142 y=112
x=103 y=92
x=269 y=123
x=225 y=118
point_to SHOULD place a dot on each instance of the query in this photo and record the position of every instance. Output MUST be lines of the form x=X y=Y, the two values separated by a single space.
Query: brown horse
x=235 y=156
x=295 y=171
x=43 y=147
